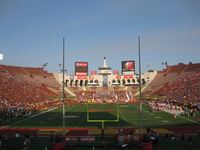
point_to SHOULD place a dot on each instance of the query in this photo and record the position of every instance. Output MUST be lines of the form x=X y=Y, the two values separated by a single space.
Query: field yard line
x=32 y=116
x=69 y=109
x=123 y=116
x=184 y=118
x=76 y=108
x=81 y=121
x=143 y=110
x=177 y=116
x=188 y=119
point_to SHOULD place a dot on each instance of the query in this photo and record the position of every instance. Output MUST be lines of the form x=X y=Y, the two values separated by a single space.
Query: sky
x=31 y=32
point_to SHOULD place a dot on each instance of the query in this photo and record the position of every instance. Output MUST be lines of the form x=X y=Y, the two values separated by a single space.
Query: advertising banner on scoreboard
x=118 y=77
x=128 y=76
x=91 y=77
x=81 y=68
x=116 y=72
x=128 y=67
x=93 y=73
x=81 y=77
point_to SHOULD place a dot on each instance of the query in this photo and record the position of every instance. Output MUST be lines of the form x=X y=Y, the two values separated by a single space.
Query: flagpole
x=63 y=87
x=140 y=87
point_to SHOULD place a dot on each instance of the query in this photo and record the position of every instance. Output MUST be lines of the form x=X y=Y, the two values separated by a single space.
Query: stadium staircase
x=83 y=88
x=125 y=88
x=55 y=91
x=169 y=75
x=70 y=92
x=143 y=88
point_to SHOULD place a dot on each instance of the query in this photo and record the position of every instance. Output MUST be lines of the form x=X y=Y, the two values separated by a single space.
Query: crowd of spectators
x=20 y=98
x=105 y=97
x=182 y=95
x=173 y=107
x=184 y=89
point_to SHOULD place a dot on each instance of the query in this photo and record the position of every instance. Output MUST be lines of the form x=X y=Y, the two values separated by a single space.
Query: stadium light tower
x=140 y=87
x=63 y=87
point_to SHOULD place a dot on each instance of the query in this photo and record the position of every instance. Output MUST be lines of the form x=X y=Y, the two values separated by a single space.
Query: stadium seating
x=22 y=95
x=168 y=76
x=25 y=90
x=185 y=88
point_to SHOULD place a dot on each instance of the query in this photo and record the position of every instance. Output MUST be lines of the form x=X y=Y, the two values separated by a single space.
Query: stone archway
x=66 y=82
x=123 y=81
x=76 y=83
x=71 y=82
x=86 y=82
x=81 y=83
x=113 y=81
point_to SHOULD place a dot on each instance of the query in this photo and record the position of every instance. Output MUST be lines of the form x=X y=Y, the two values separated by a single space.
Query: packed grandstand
x=25 y=89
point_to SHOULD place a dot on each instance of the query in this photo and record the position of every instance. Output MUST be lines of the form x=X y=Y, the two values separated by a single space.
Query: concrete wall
x=122 y=80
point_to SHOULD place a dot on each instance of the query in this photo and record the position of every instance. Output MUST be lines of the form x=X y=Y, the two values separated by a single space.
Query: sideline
x=184 y=118
x=194 y=121
x=32 y=116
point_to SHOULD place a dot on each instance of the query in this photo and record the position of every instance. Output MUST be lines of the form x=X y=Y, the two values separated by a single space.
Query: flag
x=116 y=97
x=1 y=56
x=93 y=96
x=127 y=96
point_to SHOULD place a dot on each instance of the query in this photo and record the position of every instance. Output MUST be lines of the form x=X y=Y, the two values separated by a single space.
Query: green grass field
x=129 y=116
x=50 y=122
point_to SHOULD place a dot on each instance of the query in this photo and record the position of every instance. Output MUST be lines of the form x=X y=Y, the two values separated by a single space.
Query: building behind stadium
x=105 y=76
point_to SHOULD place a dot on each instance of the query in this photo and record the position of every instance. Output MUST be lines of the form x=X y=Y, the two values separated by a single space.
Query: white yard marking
x=72 y=116
x=32 y=116
x=124 y=106
x=158 y=117
x=184 y=118
x=194 y=121
x=165 y=121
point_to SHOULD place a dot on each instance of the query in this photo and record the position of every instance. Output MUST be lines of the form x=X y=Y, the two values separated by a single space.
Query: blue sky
x=31 y=32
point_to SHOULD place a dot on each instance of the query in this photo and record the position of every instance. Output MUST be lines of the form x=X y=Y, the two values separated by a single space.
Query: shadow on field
x=72 y=119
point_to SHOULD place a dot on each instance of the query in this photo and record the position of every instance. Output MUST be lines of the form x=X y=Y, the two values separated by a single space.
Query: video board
x=128 y=66
x=81 y=68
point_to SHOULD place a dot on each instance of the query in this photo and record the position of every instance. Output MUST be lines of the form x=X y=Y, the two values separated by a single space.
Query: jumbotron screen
x=81 y=68
x=128 y=66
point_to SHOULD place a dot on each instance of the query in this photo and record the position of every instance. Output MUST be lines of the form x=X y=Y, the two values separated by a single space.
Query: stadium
x=102 y=110
x=99 y=75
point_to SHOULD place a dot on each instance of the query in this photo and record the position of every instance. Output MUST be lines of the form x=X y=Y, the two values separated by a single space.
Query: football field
x=126 y=115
